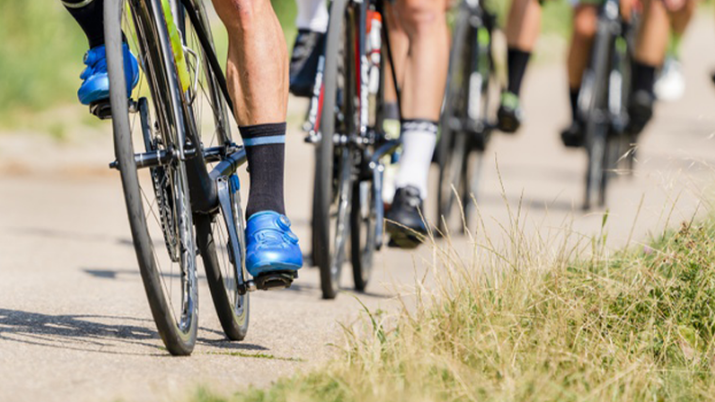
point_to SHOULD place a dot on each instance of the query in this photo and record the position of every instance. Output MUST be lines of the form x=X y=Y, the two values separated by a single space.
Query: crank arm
x=224 y=197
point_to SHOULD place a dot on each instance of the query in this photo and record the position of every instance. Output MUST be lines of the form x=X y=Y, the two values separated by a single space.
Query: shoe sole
x=268 y=267
x=571 y=142
x=401 y=237
x=508 y=124
x=644 y=114
x=275 y=280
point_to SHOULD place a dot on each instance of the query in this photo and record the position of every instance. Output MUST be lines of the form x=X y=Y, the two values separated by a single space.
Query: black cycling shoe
x=573 y=136
x=307 y=49
x=509 y=115
x=640 y=111
x=404 y=222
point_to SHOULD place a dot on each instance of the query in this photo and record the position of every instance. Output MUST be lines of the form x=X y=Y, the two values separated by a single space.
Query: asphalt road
x=74 y=322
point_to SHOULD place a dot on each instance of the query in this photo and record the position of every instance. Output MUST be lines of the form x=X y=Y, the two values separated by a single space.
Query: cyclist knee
x=585 y=21
x=241 y=15
x=420 y=16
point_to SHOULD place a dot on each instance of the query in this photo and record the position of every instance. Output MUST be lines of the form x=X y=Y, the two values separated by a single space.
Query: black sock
x=573 y=98
x=265 y=151
x=517 y=60
x=643 y=77
x=90 y=18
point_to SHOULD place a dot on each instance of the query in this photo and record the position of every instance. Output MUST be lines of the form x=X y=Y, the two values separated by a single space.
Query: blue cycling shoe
x=272 y=252
x=95 y=85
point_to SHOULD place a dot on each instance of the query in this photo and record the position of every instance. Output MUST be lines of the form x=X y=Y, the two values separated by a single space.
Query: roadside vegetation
x=41 y=50
x=40 y=57
x=536 y=320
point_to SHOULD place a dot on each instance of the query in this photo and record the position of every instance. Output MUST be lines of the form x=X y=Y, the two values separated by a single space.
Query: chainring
x=162 y=180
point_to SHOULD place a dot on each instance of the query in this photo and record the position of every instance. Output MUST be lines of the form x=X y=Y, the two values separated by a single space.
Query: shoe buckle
x=284 y=222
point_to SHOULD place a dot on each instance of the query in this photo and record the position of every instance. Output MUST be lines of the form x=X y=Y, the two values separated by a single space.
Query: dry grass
x=536 y=320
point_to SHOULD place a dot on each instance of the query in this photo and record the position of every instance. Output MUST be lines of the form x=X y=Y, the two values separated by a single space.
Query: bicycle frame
x=209 y=190
x=610 y=20
x=365 y=137
x=229 y=155
x=601 y=102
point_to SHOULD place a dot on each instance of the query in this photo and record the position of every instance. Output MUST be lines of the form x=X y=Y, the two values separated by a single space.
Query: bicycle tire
x=461 y=151
x=179 y=337
x=445 y=194
x=332 y=182
x=212 y=231
x=362 y=235
x=233 y=315
x=596 y=120
x=478 y=141
x=363 y=211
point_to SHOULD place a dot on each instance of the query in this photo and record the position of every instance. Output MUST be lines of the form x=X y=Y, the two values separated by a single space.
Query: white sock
x=312 y=15
x=418 y=141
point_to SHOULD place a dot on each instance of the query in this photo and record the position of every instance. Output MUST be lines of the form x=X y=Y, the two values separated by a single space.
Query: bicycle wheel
x=621 y=79
x=363 y=211
x=464 y=129
x=451 y=146
x=334 y=164
x=213 y=230
x=597 y=120
x=212 y=236
x=157 y=199
x=362 y=232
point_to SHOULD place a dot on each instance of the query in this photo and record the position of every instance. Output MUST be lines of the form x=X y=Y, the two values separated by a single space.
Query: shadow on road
x=126 y=272
x=535 y=204
x=92 y=333
x=70 y=235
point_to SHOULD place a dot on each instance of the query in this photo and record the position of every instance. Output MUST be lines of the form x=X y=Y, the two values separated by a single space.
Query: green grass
x=41 y=51
x=524 y=322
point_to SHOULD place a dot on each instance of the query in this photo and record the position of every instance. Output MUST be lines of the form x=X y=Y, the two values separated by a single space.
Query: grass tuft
x=634 y=325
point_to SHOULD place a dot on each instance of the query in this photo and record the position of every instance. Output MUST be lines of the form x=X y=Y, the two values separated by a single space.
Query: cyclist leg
x=89 y=14
x=312 y=23
x=670 y=84
x=522 y=31
x=425 y=74
x=585 y=22
x=399 y=44
x=651 y=46
x=257 y=75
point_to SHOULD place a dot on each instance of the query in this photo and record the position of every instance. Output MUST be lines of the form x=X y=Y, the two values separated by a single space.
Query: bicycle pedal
x=101 y=109
x=275 y=280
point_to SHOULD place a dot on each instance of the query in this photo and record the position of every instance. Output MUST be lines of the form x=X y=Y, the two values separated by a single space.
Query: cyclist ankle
x=418 y=137
x=517 y=61
x=643 y=77
x=265 y=151
x=573 y=99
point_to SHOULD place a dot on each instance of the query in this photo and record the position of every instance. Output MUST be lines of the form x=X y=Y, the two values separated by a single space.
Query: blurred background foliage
x=41 y=51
